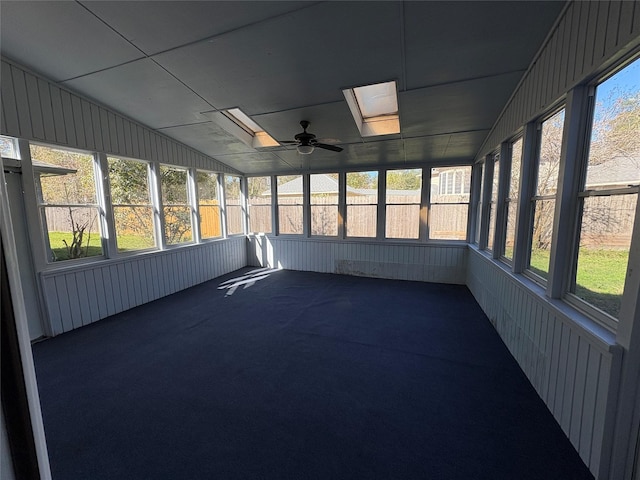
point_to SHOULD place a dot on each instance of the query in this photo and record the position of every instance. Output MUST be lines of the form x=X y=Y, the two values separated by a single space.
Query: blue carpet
x=297 y=376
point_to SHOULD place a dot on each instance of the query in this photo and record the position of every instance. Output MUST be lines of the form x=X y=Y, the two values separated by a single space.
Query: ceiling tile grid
x=171 y=65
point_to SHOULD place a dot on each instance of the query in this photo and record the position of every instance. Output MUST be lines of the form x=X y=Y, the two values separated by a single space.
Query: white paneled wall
x=588 y=37
x=428 y=263
x=84 y=294
x=39 y=110
x=575 y=370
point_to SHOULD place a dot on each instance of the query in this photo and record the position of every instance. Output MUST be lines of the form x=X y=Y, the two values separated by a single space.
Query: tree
x=404 y=179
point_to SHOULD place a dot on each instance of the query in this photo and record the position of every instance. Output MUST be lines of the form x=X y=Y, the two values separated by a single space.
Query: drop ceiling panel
x=208 y=138
x=257 y=163
x=449 y=41
x=60 y=40
x=331 y=123
x=303 y=58
x=457 y=107
x=143 y=91
x=156 y=26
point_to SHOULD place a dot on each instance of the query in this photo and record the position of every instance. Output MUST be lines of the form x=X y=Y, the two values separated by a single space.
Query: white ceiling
x=172 y=65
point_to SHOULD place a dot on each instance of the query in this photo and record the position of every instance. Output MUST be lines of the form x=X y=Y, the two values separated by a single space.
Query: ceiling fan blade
x=333 y=148
x=289 y=142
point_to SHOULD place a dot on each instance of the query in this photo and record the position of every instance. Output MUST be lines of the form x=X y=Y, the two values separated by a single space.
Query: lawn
x=125 y=243
x=600 y=277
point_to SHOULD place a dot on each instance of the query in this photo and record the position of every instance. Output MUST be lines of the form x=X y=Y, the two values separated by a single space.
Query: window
x=8 y=148
x=544 y=202
x=324 y=204
x=449 y=203
x=233 y=201
x=452 y=181
x=208 y=205
x=362 y=204
x=67 y=200
x=175 y=204
x=403 y=203
x=132 y=208
x=259 y=204
x=478 y=232
x=511 y=200
x=259 y=138
x=493 y=204
x=609 y=197
x=374 y=108
x=290 y=200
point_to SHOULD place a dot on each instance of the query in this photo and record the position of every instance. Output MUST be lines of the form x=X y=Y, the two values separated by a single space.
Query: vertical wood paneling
x=574 y=380
x=83 y=297
x=11 y=125
x=587 y=36
x=35 y=109
x=613 y=28
x=22 y=103
x=67 y=112
x=47 y=111
x=76 y=106
x=97 y=128
x=87 y=121
x=625 y=24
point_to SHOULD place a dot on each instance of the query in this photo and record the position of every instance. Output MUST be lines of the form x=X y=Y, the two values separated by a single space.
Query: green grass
x=125 y=243
x=599 y=279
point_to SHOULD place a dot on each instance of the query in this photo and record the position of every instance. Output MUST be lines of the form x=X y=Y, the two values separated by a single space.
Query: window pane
x=324 y=204
x=290 y=218
x=234 y=204
x=494 y=202
x=607 y=221
x=511 y=208
x=128 y=181
x=546 y=184
x=174 y=186
x=605 y=240
x=403 y=221
x=290 y=200
x=403 y=186
x=362 y=204
x=449 y=203
x=259 y=204
x=73 y=232
x=361 y=220
x=541 y=239
x=129 y=185
x=478 y=231
x=177 y=224
x=403 y=203
x=208 y=205
x=65 y=181
x=134 y=227
x=65 y=177
x=549 y=159
x=614 y=152
x=448 y=221
x=176 y=208
x=8 y=147
x=511 y=204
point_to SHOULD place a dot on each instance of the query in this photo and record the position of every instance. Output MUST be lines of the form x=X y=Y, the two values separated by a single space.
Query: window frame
x=535 y=198
x=420 y=205
x=250 y=206
x=151 y=205
x=376 y=230
x=240 y=205
x=188 y=205
x=453 y=170
x=41 y=207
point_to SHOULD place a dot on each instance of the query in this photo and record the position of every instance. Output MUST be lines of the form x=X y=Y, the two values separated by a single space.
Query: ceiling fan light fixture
x=305 y=149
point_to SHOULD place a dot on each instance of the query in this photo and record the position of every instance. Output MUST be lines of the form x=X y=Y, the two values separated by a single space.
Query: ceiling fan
x=306 y=142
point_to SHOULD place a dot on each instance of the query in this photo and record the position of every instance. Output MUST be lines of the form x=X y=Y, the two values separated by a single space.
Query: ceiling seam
x=226 y=32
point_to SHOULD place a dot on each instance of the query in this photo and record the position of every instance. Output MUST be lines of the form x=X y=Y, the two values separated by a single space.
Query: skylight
x=260 y=138
x=374 y=108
